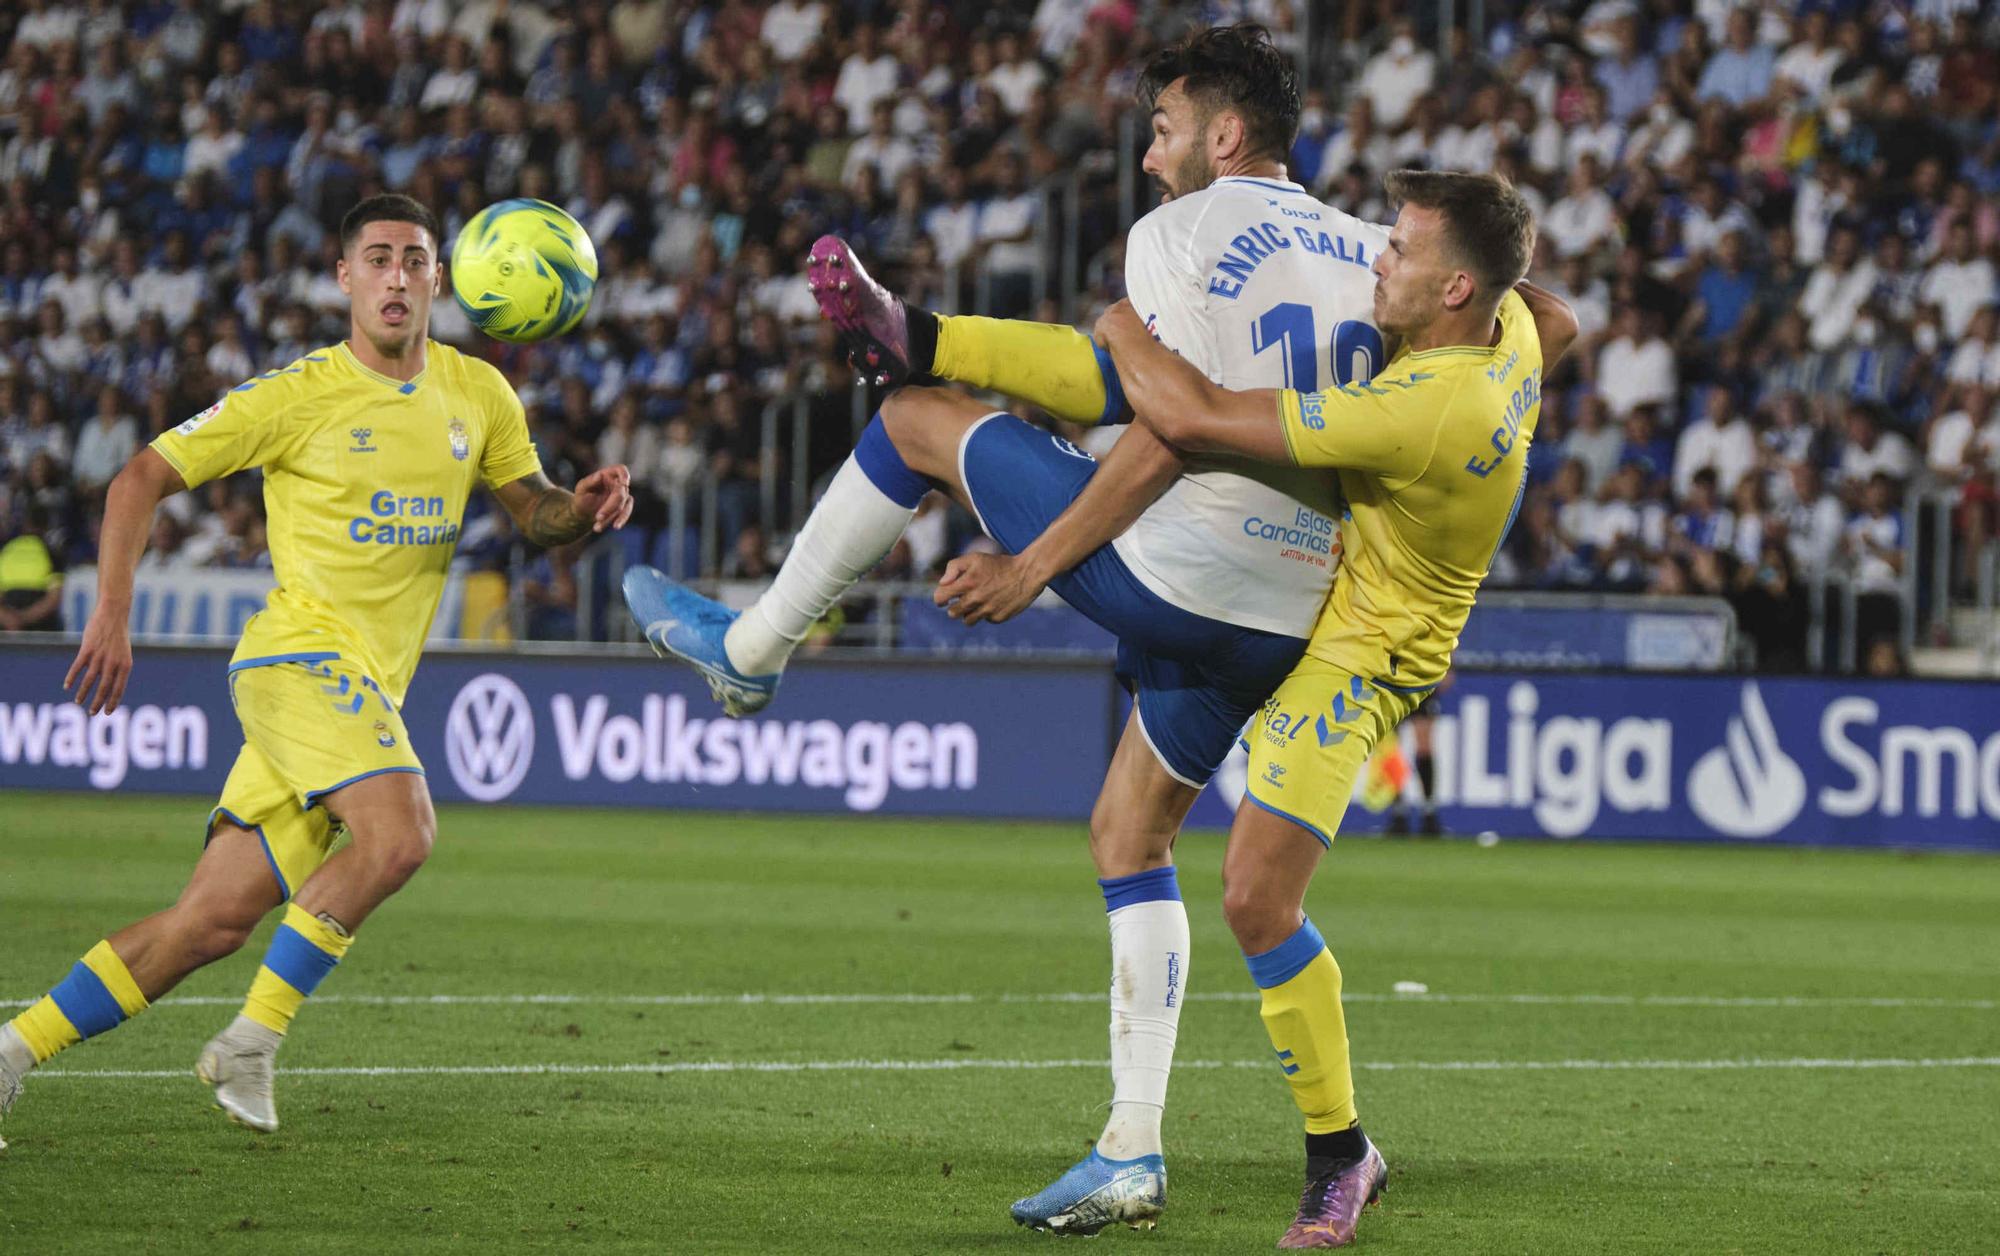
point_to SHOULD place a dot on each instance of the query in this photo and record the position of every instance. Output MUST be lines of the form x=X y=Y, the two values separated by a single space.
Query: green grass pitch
x=1710 y=1103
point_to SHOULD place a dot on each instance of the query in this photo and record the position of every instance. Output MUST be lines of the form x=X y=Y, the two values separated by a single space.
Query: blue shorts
x=1196 y=680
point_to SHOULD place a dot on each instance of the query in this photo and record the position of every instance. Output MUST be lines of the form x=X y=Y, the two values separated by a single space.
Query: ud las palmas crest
x=461 y=444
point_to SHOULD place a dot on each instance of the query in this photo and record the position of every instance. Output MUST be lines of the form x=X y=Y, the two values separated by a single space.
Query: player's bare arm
x=104 y=660
x=1182 y=406
x=1555 y=322
x=549 y=516
x=979 y=588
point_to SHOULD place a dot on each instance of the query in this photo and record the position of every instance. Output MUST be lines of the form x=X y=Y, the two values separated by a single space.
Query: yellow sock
x=99 y=994
x=1056 y=368
x=302 y=952
x=1302 y=1014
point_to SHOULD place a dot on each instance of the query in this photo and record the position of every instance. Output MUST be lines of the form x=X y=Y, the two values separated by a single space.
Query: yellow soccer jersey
x=1432 y=455
x=365 y=481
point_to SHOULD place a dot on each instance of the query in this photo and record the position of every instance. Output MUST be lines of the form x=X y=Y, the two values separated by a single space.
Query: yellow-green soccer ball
x=523 y=270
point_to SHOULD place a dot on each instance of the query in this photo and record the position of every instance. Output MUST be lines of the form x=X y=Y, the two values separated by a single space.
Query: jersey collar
x=1269 y=185
x=405 y=388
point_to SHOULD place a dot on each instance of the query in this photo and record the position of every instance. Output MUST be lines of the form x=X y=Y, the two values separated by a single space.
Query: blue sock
x=883 y=464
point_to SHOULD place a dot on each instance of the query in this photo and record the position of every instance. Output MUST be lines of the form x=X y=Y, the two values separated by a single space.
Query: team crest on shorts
x=461 y=444
x=383 y=737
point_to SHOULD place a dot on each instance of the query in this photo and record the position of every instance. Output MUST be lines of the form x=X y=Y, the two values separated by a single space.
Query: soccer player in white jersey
x=1211 y=591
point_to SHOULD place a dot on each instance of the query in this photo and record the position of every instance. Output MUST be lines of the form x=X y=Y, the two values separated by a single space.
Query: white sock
x=251 y=1033
x=853 y=527
x=1149 y=961
x=15 y=1052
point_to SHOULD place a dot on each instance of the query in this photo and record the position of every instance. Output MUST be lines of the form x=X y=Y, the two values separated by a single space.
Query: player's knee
x=394 y=857
x=916 y=421
x=1259 y=920
x=902 y=422
x=402 y=858
x=1121 y=848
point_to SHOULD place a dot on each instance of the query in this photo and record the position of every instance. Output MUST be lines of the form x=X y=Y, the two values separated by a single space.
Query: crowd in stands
x=1776 y=221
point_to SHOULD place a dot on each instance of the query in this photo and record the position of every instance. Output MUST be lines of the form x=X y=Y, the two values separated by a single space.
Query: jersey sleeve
x=251 y=426
x=1164 y=280
x=1387 y=425
x=509 y=453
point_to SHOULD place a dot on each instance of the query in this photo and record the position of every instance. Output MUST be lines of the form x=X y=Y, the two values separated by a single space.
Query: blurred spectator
x=1870 y=451
x=790 y=28
x=1815 y=523
x=1594 y=444
x=867 y=75
x=1741 y=71
x=31 y=577
x=1874 y=545
x=1006 y=230
x=1961 y=282
x=107 y=442
x=1837 y=290
x=1703 y=523
x=1636 y=367
x=1586 y=218
x=1721 y=441
x=1397 y=76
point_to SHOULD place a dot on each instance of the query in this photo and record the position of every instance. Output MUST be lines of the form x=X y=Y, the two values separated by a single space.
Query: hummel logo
x=361 y=435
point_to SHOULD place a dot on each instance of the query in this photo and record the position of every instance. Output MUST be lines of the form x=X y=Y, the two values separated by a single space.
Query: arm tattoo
x=553 y=519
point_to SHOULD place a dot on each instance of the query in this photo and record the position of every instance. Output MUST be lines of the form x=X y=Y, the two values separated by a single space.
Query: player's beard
x=1192 y=175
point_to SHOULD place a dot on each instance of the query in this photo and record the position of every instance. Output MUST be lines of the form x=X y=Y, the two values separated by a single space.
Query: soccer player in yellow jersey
x=369 y=449
x=1432 y=456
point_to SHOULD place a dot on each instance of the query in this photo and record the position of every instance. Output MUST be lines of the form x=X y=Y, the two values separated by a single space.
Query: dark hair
x=389 y=207
x=1487 y=223
x=1232 y=67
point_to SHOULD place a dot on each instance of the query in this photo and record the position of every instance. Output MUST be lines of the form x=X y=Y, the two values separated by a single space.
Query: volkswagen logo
x=489 y=737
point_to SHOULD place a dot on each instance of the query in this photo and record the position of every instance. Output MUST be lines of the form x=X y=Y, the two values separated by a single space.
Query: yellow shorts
x=309 y=728
x=1311 y=740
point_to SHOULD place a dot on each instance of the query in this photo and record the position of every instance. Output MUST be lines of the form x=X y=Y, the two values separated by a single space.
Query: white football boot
x=239 y=1065
x=15 y=1061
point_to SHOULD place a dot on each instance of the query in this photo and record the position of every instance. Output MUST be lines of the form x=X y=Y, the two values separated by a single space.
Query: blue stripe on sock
x=1151 y=886
x=884 y=466
x=1287 y=959
x=85 y=1003
x=1114 y=388
x=298 y=963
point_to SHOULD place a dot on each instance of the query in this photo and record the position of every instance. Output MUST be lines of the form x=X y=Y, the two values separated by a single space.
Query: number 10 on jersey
x=1356 y=347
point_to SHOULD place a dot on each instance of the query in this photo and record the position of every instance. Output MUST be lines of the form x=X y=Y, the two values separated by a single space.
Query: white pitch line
x=1092 y=996
x=957 y=1065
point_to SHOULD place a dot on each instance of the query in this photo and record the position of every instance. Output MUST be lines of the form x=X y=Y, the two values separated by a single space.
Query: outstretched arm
x=549 y=516
x=1182 y=406
x=997 y=587
x=1370 y=426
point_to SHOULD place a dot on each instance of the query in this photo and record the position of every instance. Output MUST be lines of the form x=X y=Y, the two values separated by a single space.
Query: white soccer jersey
x=1260 y=285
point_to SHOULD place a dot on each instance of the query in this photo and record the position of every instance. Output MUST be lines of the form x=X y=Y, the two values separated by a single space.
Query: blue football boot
x=1096 y=1193
x=678 y=621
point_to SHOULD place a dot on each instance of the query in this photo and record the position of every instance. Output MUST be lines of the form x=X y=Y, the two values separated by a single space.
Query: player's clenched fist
x=605 y=497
